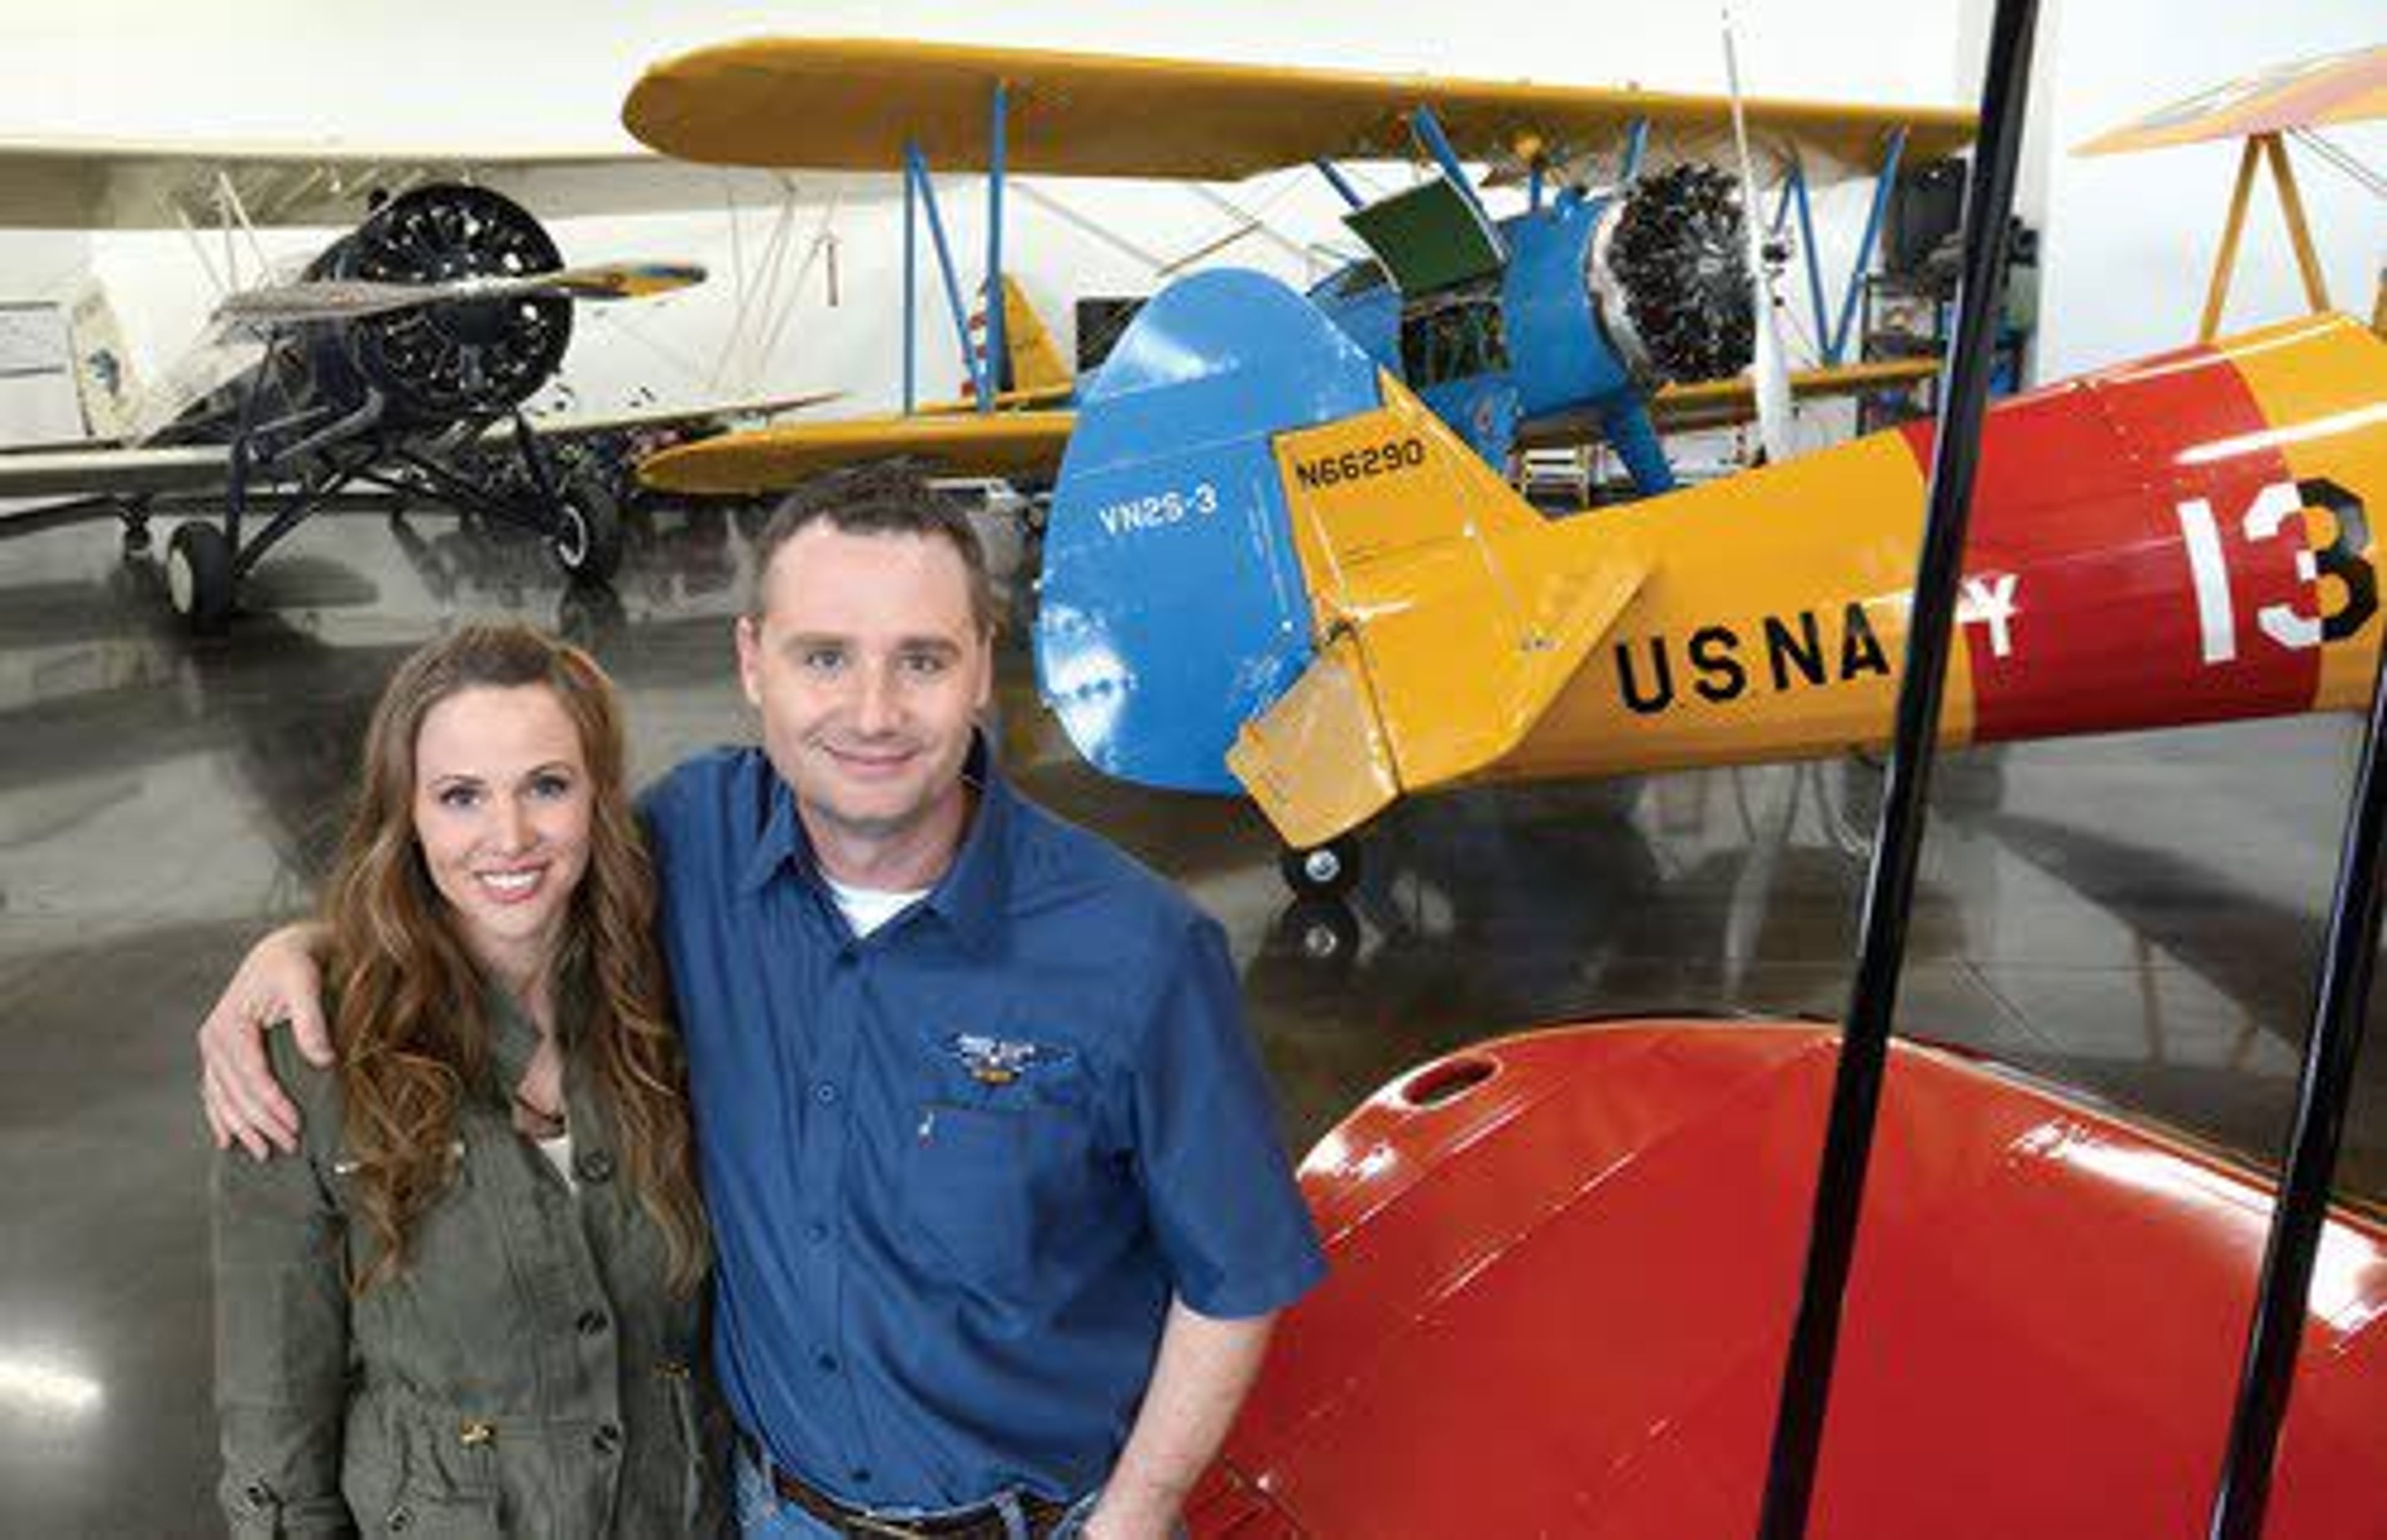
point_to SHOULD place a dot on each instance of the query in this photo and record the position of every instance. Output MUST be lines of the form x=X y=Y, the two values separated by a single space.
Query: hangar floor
x=2140 y=915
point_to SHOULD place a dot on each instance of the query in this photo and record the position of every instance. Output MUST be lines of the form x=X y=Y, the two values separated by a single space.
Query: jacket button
x=606 y=1439
x=594 y=1166
x=592 y=1322
x=401 y=1518
x=258 y=1495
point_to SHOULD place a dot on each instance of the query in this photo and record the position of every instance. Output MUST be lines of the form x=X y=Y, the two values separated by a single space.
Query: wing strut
x=1882 y=185
x=985 y=364
x=916 y=171
x=1341 y=183
x=987 y=369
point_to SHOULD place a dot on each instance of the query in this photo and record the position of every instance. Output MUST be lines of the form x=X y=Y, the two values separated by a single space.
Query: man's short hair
x=877 y=499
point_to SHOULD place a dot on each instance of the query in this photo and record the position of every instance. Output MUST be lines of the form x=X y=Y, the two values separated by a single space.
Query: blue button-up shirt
x=956 y=1169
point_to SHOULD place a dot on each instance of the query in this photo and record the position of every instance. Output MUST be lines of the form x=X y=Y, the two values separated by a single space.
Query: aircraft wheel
x=199 y=577
x=587 y=537
x=1321 y=932
x=1324 y=871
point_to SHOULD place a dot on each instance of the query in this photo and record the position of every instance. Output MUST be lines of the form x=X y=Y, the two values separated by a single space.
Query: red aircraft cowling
x=1564 y=1267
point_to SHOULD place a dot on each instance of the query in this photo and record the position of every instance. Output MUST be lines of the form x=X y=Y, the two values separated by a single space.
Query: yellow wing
x=2338 y=88
x=770 y=459
x=1718 y=403
x=854 y=103
x=953 y=438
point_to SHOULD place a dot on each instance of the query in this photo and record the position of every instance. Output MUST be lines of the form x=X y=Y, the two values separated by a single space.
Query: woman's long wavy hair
x=407 y=1013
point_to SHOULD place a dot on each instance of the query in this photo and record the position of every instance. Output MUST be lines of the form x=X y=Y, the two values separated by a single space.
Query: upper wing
x=74 y=183
x=2337 y=88
x=992 y=444
x=853 y=104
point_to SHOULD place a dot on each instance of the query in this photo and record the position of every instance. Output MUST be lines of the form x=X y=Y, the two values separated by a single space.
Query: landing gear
x=1321 y=933
x=587 y=535
x=1324 y=871
x=200 y=577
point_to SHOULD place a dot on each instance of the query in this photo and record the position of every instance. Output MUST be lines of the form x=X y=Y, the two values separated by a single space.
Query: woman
x=474 y=1307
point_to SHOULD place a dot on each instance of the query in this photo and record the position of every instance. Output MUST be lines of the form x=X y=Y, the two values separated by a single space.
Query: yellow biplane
x=1283 y=558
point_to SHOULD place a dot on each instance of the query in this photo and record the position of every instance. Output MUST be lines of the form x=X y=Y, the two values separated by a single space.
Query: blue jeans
x=762 y=1514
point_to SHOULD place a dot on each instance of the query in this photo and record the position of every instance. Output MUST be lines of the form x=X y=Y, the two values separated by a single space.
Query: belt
x=983 y=1521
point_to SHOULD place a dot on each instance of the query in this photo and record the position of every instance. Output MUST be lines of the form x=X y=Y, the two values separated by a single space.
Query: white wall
x=553 y=72
x=2130 y=239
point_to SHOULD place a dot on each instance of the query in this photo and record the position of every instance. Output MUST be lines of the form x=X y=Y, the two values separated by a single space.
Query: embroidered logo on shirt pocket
x=993 y=1061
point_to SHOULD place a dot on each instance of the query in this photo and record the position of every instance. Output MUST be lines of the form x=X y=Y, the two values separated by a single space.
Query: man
x=1001 y=1218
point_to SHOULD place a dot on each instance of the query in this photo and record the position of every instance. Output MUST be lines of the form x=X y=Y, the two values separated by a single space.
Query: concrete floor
x=2139 y=915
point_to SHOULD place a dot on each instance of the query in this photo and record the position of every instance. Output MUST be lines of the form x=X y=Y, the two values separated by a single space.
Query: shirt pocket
x=988 y=1185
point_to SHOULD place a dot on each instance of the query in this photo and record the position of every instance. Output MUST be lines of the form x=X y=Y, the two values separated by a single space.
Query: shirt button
x=859 y=1475
x=825 y=1363
x=816 y=1231
x=592 y=1322
x=594 y=1166
x=824 y=1093
x=606 y=1439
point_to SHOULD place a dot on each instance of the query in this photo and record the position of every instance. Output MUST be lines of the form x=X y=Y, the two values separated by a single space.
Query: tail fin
x=104 y=381
x=1036 y=365
x=1269 y=566
x=1034 y=371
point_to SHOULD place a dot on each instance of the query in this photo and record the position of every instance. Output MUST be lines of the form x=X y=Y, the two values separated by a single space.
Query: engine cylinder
x=1668 y=273
x=442 y=361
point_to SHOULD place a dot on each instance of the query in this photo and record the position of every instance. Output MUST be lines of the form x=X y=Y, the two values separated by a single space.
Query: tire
x=587 y=534
x=1320 y=934
x=1324 y=871
x=199 y=577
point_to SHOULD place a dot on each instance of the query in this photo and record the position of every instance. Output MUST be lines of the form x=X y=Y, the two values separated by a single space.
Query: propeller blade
x=611 y=280
x=324 y=299
x=354 y=298
x=1769 y=370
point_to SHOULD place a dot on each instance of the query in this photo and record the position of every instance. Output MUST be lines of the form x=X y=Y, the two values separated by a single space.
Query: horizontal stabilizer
x=1467 y=614
x=1315 y=761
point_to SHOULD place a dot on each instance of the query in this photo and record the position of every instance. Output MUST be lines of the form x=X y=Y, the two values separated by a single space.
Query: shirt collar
x=782 y=841
x=968 y=898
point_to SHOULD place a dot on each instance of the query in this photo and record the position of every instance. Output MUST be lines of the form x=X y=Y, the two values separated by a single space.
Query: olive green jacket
x=528 y=1373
